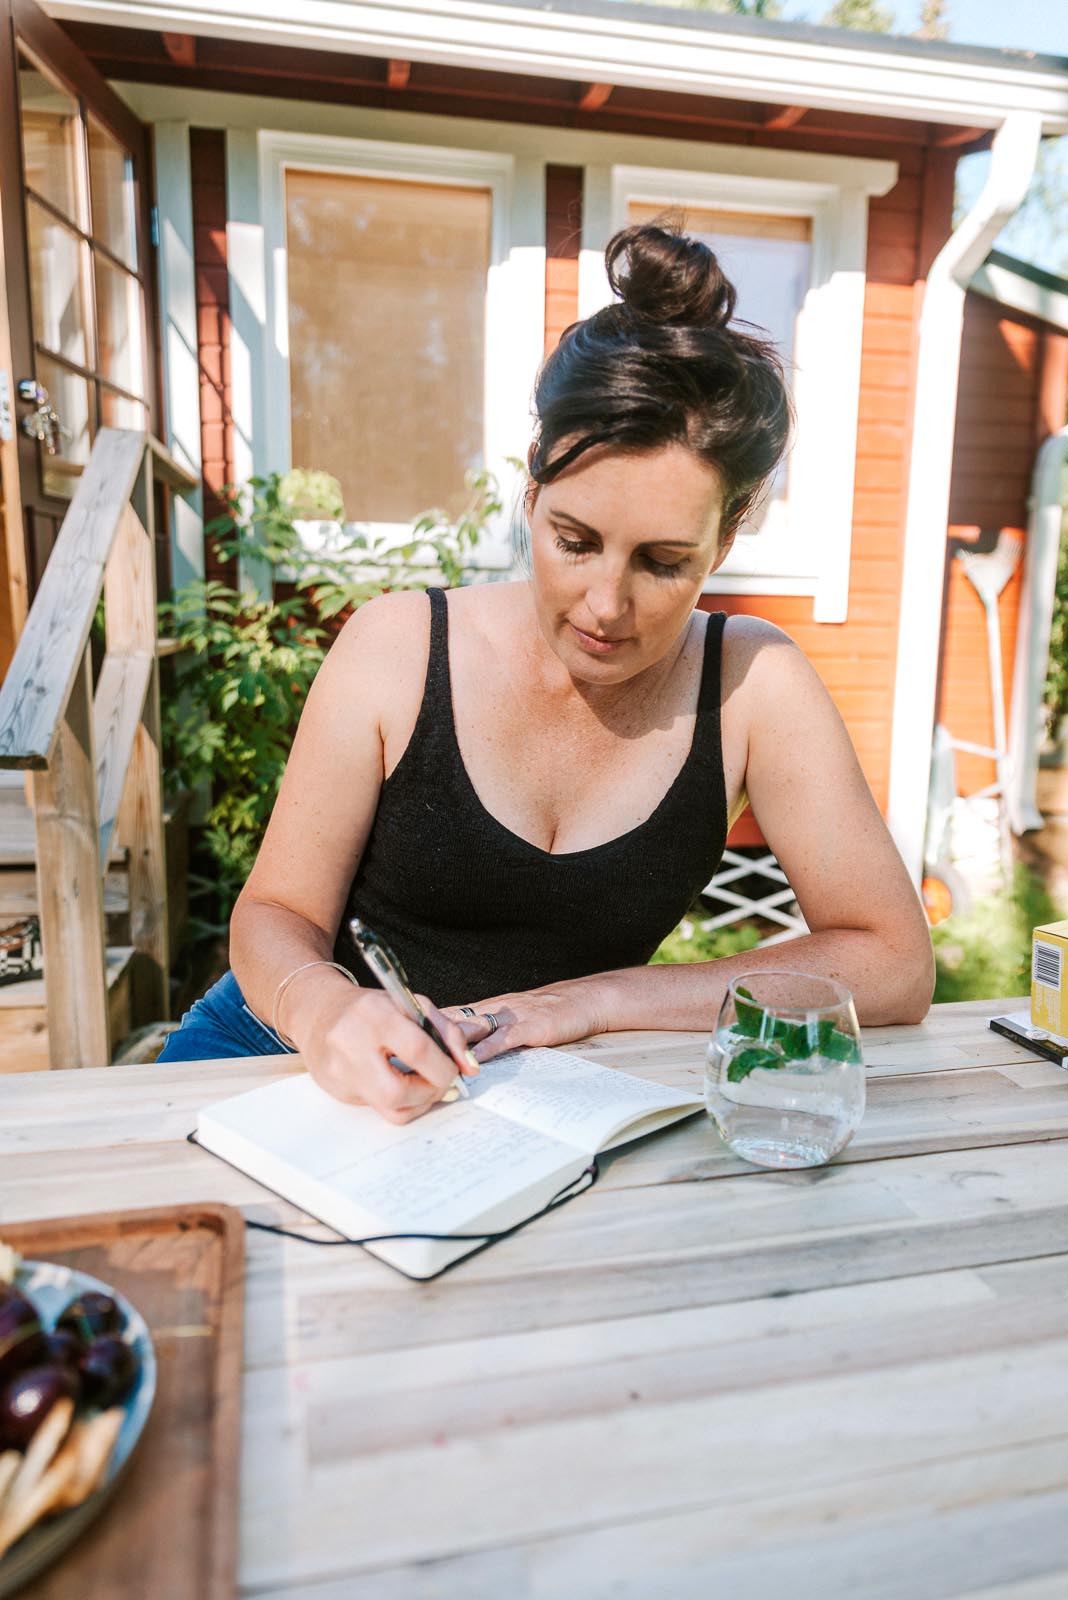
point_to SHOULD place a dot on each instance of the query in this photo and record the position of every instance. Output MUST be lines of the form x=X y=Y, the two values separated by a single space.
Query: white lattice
x=771 y=906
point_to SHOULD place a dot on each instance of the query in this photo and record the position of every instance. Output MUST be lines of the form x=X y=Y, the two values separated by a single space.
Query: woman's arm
x=818 y=816
x=289 y=910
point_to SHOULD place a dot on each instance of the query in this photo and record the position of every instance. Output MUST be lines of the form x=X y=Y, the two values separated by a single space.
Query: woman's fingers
x=454 y=1035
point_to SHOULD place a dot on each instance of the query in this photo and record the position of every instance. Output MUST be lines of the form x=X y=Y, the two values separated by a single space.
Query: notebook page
x=565 y=1097
x=436 y=1174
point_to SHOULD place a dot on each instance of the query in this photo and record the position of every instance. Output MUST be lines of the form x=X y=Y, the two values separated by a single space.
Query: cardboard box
x=1049 y=978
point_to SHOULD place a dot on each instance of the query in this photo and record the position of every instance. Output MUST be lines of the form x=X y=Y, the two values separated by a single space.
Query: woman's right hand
x=347 y=1036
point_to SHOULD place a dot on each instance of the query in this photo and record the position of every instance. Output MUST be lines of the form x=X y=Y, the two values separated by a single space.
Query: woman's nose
x=607 y=598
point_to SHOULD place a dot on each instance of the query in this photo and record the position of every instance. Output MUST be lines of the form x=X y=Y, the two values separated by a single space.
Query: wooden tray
x=170 y=1530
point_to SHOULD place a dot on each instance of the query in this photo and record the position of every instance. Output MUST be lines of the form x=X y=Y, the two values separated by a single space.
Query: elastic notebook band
x=571 y=1191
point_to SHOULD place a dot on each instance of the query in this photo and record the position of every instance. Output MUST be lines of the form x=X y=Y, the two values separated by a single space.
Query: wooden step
x=24 y=1021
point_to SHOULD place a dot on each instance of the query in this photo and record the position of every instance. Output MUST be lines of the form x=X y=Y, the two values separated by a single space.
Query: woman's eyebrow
x=665 y=539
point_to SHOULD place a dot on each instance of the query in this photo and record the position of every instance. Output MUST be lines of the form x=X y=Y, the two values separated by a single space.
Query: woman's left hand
x=539 y=1017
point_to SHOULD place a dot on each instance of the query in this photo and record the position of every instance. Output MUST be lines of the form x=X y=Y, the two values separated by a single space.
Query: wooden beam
x=955 y=136
x=182 y=48
x=594 y=96
x=71 y=888
x=784 y=117
x=48 y=657
x=130 y=614
x=398 y=73
x=117 y=710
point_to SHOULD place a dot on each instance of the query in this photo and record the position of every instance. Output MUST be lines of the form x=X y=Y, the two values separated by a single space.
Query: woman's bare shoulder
x=754 y=649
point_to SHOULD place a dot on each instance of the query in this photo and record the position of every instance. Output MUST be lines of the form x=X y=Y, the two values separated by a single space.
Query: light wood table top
x=701 y=1381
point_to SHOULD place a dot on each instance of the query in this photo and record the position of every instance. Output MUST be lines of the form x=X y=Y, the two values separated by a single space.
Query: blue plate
x=52 y=1287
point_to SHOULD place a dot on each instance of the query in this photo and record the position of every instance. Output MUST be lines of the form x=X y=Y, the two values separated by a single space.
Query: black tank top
x=474 y=910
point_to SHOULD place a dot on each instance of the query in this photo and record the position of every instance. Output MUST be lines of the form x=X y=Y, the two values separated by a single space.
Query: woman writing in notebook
x=523 y=786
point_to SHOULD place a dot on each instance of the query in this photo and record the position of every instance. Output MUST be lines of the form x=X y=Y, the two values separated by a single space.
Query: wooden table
x=701 y=1380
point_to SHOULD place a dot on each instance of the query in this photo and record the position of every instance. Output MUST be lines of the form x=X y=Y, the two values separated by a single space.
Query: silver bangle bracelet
x=287 y=980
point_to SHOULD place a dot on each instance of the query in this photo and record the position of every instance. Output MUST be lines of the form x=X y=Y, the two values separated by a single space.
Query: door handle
x=43 y=422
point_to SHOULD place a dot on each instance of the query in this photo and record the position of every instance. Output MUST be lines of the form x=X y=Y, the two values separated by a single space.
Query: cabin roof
x=653 y=47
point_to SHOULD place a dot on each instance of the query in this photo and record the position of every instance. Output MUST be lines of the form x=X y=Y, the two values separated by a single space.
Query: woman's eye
x=571 y=547
x=666 y=569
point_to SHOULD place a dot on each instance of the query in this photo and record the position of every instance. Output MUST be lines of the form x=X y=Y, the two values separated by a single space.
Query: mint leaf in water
x=840 y=1047
x=747 y=1061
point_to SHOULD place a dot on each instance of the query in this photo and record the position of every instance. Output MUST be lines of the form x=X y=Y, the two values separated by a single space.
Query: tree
x=770 y=9
x=934 y=20
x=865 y=16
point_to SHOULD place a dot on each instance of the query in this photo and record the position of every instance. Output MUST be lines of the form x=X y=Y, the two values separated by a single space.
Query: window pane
x=57 y=285
x=70 y=396
x=768 y=259
x=111 y=192
x=118 y=326
x=51 y=140
x=387 y=295
x=118 y=411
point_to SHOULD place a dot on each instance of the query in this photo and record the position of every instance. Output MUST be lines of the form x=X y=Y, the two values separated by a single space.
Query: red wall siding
x=1012 y=394
x=563 y=233
x=207 y=150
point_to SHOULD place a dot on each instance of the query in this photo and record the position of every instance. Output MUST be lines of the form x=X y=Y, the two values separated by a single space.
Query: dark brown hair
x=666 y=364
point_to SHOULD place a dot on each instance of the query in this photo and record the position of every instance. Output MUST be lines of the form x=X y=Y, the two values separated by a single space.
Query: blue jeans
x=221 y=1024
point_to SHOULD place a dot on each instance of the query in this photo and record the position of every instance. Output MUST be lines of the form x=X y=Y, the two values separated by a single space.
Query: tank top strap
x=705 y=763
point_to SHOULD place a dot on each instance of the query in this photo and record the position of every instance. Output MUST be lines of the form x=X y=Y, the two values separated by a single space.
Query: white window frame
x=515 y=297
x=804 y=548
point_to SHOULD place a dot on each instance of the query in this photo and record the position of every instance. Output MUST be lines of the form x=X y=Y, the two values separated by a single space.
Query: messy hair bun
x=662 y=275
x=666 y=363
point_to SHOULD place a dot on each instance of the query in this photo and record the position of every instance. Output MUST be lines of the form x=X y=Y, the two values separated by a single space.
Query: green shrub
x=985 y=953
x=247 y=663
x=690 y=941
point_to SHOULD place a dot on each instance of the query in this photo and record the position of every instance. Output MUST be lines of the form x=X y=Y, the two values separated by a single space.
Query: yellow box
x=1049 y=978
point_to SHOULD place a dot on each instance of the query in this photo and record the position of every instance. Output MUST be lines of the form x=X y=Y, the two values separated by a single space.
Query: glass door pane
x=118 y=326
x=57 y=285
x=71 y=395
x=51 y=142
x=112 y=194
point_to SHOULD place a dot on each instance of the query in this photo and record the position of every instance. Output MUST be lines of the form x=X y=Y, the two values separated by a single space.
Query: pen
x=391 y=975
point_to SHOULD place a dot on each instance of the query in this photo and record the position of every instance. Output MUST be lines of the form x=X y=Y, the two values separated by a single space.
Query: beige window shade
x=708 y=219
x=387 y=299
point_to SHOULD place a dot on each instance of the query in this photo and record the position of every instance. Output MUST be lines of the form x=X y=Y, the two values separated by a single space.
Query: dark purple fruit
x=21 y=1340
x=63 y=1349
x=28 y=1399
x=108 y=1369
x=91 y=1315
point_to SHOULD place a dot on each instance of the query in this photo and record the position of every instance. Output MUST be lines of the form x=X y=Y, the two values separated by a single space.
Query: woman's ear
x=723 y=550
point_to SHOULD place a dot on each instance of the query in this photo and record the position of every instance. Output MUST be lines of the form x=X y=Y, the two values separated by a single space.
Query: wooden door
x=75 y=280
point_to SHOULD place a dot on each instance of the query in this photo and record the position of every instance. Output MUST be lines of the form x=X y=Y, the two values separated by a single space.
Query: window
x=87 y=299
x=387 y=311
x=791 y=231
x=768 y=259
x=403 y=289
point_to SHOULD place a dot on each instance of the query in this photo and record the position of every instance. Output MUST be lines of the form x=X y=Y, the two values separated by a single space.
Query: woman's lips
x=595 y=645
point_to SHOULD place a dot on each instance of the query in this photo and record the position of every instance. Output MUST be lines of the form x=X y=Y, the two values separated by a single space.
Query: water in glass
x=784 y=1083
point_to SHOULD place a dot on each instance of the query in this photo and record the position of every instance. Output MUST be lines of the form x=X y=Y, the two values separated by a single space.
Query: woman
x=523 y=786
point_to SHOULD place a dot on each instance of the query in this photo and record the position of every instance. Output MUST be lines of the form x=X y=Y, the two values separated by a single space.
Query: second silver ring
x=492 y=1020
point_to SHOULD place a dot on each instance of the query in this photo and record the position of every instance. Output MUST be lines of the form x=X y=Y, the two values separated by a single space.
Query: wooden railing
x=94 y=759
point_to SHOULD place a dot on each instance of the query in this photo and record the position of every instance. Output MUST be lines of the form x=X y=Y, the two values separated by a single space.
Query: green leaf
x=747 y=1061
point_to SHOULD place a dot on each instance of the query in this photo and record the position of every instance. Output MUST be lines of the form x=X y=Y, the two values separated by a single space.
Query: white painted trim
x=646 y=50
x=938 y=369
x=1012 y=289
x=809 y=534
x=515 y=298
x=178 y=341
x=247 y=268
x=1033 y=634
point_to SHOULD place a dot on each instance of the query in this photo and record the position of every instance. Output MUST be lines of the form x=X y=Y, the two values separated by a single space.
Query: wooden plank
x=48 y=658
x=71 y=886
x=117 y=708
x=130 y=612
x=170 y=471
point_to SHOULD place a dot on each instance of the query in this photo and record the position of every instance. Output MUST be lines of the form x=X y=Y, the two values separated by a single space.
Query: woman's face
x=620 y=547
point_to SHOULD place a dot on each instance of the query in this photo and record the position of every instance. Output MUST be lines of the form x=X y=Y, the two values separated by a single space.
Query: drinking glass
x=784 y=1083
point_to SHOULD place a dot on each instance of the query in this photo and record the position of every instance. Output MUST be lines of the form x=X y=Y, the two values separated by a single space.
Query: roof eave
x=577 y=46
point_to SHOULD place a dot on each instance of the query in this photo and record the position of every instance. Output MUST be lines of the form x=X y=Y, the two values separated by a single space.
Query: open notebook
x=533 y=1123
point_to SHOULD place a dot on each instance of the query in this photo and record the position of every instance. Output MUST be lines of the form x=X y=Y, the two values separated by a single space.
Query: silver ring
x=468 y=1011
x=492 y=1020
